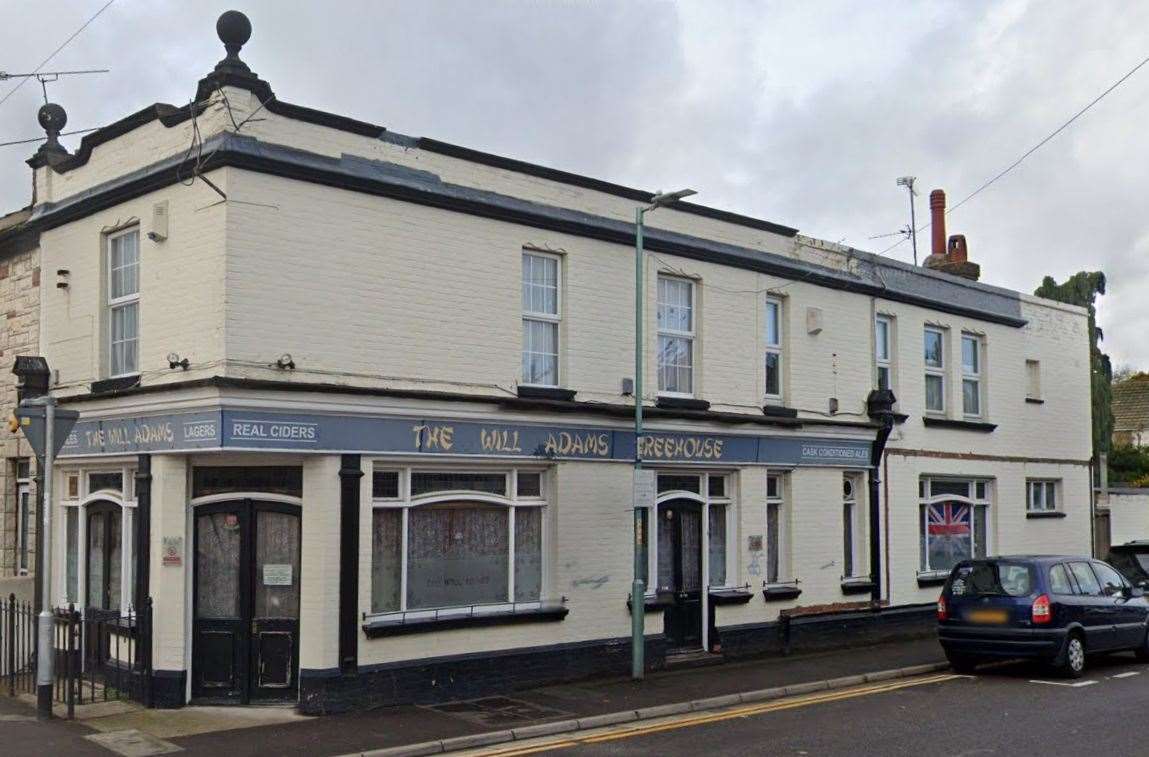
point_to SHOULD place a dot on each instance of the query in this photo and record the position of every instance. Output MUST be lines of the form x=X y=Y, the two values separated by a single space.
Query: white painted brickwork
x=367 y=291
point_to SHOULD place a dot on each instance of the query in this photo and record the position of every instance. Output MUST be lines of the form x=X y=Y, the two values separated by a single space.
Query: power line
x=41 y=139
x=1031 y=150
x=57 y=51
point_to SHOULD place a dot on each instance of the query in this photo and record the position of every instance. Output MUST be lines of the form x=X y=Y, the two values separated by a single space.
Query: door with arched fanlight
x=104 y=555
x=680 y=570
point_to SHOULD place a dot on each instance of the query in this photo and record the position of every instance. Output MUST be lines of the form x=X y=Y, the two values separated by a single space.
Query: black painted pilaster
x=350 y=471
x=143 y=523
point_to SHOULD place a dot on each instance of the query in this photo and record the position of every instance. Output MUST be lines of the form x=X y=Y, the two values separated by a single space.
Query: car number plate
x=988 y=616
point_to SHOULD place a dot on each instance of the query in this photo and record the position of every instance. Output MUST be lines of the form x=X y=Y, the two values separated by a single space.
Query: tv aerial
x=46 y=77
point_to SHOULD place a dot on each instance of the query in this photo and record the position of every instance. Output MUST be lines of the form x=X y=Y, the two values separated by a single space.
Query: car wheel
x=1071 y=662
x=961 y=663
x=1142 y=652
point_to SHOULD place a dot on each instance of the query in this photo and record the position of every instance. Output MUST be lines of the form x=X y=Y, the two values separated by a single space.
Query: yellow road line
x=689 y=720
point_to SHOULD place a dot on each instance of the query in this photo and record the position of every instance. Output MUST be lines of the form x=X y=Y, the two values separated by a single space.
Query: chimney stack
x=938 y=222
x=950 y=256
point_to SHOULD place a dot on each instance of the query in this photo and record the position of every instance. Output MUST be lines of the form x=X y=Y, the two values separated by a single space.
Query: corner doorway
x=245 y=644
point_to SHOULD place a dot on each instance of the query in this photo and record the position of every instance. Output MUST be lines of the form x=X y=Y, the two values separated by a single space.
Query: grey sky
x=800 y=113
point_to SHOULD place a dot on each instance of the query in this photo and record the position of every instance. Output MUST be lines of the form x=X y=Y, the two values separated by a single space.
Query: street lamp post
x=638 y=588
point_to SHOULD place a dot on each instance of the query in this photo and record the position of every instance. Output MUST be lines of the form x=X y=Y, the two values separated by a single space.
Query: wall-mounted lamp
x=285 y=363
x=175 y=361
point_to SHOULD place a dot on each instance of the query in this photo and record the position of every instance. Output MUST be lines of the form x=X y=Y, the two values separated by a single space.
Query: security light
x=285 y=362
x=175 y=361
x=665 y=198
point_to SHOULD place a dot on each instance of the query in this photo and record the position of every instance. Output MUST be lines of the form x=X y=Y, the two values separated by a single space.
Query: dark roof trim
x=586 y=182
x=170 y=115
x=382 y=179
x=19 y=237
x=618 y=410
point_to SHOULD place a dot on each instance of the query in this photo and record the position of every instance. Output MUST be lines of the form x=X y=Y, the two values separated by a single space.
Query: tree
x=1082 y=289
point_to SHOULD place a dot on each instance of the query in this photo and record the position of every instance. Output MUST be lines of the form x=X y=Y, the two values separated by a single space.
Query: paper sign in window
x=277 y=574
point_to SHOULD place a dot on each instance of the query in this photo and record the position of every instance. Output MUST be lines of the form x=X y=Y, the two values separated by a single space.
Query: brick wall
x=19 y=335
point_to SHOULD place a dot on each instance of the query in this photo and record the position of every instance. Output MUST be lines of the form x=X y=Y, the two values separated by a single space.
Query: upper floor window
x=883 y=351
x=773 y=349
x=675 y=335
x=124 y=303
x=541 y=315
x=934 y=355
x=971 y=375
x=1033 y=379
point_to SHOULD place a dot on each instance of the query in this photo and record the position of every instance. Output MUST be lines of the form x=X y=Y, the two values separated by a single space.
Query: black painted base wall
x=169 y=689
x=811 y=633
x=467 y=676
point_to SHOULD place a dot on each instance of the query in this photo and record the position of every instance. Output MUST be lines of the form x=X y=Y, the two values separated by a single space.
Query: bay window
x=542 y=313
x=675 y=336
x=123 y=304
x=444 y=539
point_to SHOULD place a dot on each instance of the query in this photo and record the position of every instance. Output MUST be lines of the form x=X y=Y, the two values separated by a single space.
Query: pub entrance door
x=245 y=642
x=680 y=570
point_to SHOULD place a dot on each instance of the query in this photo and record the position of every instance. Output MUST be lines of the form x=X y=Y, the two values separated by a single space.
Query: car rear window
x=1008 y=579
x=1143 y=561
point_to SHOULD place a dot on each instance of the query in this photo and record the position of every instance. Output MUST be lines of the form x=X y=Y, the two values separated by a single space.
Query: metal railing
x=100 y=656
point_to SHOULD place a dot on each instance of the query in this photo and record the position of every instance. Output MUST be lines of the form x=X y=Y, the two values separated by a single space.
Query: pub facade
x=356 y=412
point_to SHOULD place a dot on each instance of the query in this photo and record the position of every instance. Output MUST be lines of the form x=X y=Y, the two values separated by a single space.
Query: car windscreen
x=997 y=578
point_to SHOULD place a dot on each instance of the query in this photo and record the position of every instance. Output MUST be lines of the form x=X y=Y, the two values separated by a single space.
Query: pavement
x=1008 y=709
x=281 y=731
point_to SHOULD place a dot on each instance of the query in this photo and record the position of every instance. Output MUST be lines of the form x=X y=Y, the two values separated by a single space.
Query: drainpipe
x=880 y=408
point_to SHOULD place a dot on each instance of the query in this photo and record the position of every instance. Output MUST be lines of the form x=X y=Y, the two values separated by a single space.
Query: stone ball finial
x=52 y=118
x=234 y=29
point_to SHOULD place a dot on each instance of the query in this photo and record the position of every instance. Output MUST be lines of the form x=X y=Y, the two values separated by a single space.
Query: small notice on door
x=277 y=574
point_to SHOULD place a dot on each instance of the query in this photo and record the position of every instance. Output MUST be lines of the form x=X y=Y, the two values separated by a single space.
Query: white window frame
x=406 y=501
x=884 y=362
x=123 y=302
x=935 y=370
x=974 y=500
x=1032 y=379
x=976 y=375
x=774 y=348
x=784 y=574
x=689 y=336
x=1037 y=499
x=554 y=318
x=127 y=501
x=853 y=519
x=727 y=499
x=23 y=518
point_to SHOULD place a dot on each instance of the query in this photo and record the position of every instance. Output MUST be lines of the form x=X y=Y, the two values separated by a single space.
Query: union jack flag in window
x=949 y=533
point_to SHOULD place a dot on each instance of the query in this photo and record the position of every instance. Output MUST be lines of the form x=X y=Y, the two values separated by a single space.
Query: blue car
x=1048 y=608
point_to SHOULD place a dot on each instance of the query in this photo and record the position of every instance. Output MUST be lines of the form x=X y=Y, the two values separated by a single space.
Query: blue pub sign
x=243 y=429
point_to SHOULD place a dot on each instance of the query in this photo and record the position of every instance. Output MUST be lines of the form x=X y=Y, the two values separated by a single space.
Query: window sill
x=654 y=602
x=933 y=578
x=981 y=426
x=1035 y=400
x=857 y=586
x=114 y=384
x=779 y=411
x=781 y=593
x=546 y=393
x=682 y=403
x=730 y=596
x=1038 y=514
x=375 y=629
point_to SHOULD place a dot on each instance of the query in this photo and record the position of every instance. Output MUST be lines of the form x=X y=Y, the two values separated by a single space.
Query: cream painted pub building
x=356 y=412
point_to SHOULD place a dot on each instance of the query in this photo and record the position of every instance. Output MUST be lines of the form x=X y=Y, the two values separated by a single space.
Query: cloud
x=799 y=113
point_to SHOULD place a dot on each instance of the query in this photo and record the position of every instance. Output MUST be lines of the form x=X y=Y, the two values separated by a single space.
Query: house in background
x=1131 y=411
